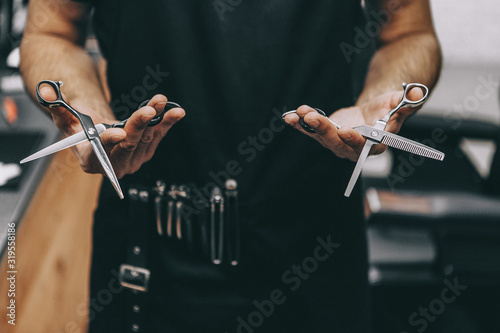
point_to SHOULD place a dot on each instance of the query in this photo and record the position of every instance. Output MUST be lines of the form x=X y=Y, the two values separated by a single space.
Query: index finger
x=134 y=128
x=311 y=117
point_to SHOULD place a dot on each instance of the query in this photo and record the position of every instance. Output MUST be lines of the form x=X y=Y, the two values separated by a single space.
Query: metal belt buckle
x=135 y=278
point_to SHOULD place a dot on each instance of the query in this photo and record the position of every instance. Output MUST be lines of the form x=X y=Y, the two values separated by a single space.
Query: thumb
x=414 y=94
x=111 y=137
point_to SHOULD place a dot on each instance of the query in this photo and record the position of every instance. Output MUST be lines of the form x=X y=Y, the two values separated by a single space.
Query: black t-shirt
x=235 y=67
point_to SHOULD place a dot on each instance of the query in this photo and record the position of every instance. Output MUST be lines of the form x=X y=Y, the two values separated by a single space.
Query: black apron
x=235 y=66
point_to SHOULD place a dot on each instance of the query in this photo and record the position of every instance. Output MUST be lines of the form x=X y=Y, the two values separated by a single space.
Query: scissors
x=376 y=134
x=89 y=132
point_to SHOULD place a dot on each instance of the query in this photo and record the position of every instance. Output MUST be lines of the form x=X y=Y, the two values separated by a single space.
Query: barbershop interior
x=235 y=218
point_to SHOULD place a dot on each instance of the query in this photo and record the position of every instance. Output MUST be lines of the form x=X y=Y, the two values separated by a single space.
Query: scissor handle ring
x=56 y=85
x=408 y=102
x=302 y=123
x=308 y=128
x=156 y=120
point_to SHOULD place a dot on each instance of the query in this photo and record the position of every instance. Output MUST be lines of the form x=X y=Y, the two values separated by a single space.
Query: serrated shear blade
x=399 y=142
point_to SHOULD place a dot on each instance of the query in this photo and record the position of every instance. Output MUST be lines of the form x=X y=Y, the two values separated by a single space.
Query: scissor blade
x=396 y=141
x=106 y=165
x=359 y=167
x=70 y=141
x=399 y=142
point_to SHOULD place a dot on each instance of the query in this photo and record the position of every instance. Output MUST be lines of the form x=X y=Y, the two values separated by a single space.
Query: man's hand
x=346 y=142
x=128 y=148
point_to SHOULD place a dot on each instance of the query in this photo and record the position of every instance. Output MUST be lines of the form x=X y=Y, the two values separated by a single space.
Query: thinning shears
x=376 y=134
x=89 y=133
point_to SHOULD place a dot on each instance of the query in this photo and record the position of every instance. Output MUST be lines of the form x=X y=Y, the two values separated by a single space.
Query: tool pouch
x=205 y=220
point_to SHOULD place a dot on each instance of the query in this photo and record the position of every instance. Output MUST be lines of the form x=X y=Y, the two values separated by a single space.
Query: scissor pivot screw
x=91 y=131
x=374 y=133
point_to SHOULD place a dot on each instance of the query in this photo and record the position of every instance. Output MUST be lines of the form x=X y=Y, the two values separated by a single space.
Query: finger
x=293 y=119
x=352 y=138
x=305 y=109
x=319 y=123
x=378 y=149
x=158 y=102
x=349 y=146
x=170 y=119
x=111 y=137
x=328 y=135
x=145 y=141
x=134 y=128
x=62 y=117
x=415 y=94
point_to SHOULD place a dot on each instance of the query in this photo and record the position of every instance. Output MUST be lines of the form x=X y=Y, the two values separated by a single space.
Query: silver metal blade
x=70 y=141
x=396 y=141
x=359 y=166
x=106 y=165
x=60 y=145
x=399 y=142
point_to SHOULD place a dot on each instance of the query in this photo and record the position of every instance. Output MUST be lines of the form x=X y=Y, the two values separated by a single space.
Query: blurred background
x=433 y=228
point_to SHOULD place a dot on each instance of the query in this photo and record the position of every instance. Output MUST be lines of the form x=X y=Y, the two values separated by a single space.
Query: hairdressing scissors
x=376 y=134
x=90 y=131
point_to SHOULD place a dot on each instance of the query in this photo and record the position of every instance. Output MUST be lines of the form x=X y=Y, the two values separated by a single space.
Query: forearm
x=413 y=58
x=51 y=57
